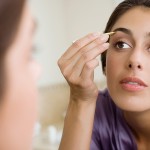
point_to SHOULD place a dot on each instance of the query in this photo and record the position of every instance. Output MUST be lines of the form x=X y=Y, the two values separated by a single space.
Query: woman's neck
x=140 y=127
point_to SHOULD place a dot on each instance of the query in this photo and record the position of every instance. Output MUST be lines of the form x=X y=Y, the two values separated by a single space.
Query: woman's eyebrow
x=129 y=32
x=125 y=30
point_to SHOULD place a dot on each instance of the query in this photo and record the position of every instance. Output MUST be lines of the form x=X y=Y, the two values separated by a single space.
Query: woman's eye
x=122 y=45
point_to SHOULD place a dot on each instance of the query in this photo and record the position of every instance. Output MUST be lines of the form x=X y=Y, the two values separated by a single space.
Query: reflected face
x=18 y=108
x=128 y=59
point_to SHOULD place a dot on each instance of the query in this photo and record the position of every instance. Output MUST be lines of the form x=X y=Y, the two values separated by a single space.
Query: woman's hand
x=77 y=65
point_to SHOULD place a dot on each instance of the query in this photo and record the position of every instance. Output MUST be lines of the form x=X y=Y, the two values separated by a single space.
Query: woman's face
x=18 y=107
x=128 y=61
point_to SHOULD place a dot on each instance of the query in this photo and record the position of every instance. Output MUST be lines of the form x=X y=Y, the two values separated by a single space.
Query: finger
x=70 y=62
x=86 y=57
x=79 y=44
x=87 y=75
x=99 y=41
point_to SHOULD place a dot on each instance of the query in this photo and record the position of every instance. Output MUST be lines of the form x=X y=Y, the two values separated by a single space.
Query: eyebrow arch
x=129 y=32
x=125 y=30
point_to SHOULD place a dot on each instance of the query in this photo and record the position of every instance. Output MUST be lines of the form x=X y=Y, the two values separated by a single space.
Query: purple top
x=110 y=130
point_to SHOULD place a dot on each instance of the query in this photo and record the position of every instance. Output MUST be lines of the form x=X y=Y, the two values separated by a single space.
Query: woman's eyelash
x=118 y=42
x=121 y=45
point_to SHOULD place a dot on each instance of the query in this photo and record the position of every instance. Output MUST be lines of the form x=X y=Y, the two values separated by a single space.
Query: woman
x=19 y=73
x=121 y=120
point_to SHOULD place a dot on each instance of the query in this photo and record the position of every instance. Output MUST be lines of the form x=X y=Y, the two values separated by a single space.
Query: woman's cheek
x=35 y=70
x=111 y=63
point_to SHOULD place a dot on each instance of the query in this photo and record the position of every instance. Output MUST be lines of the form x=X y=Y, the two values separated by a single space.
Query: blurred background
x=59 y=22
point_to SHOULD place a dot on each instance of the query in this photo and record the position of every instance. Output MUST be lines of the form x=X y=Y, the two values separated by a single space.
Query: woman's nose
x=135 y=60
x=134 y=66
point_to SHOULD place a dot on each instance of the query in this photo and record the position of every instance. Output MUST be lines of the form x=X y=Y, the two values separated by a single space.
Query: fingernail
x=104 y=37
x=96 y=34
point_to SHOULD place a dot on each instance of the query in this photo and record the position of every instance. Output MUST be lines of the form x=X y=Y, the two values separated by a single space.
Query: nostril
x=134 y=66
x=130 y=66
x=139 y=66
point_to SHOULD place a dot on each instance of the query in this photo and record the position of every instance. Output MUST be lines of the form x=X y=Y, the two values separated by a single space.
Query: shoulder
x=105 y=106
x=106 y=110
x=104 y=121
x=110 y=128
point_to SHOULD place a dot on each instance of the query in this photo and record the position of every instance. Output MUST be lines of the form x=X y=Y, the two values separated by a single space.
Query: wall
x=50 y=37
x=117 y=1
x=59 y=23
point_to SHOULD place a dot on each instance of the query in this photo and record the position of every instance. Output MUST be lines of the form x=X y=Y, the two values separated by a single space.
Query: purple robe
x=110 y=130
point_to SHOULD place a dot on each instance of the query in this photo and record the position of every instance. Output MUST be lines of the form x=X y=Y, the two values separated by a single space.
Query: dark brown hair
x=117 y=13
x=10 y=15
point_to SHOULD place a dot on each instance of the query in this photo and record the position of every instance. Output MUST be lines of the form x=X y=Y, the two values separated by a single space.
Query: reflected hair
x=10 y=15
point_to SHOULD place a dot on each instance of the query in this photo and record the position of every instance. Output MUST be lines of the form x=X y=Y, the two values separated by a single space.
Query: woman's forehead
x=134 y=20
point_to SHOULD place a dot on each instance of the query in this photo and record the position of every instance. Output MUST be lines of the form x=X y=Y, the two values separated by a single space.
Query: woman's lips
x=133 y=84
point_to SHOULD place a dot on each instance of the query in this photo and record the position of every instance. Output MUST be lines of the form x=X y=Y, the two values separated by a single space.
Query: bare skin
x=18 y=110
x=133 y=59
x=77 y=65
